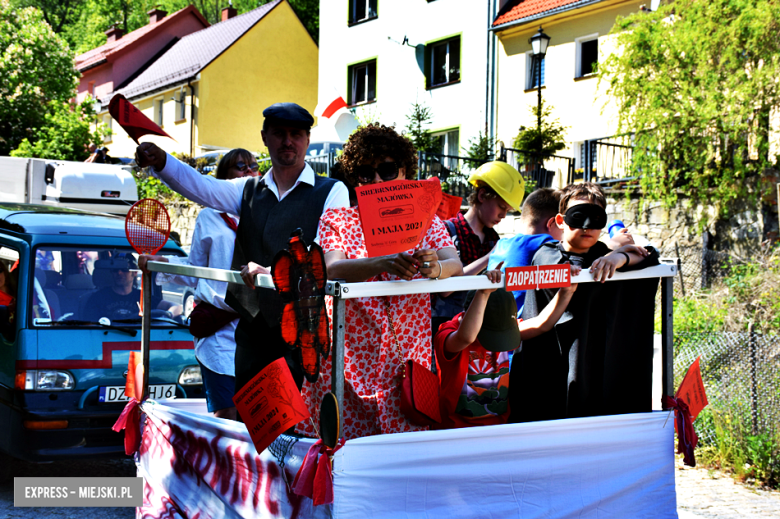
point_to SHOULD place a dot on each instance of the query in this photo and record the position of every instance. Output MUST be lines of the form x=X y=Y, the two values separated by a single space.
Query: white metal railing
x=341 y=291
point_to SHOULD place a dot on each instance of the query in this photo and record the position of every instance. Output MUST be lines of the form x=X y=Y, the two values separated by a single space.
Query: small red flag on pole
x=134 y=122
x=687 y=403
x=692 y=390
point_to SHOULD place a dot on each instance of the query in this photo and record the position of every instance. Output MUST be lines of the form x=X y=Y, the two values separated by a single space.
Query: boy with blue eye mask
x=570 y=370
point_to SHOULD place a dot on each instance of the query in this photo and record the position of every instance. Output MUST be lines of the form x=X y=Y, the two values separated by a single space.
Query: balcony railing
x=555 y=171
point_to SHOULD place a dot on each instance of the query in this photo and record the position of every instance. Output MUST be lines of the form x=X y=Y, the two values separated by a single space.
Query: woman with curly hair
x=376 y=154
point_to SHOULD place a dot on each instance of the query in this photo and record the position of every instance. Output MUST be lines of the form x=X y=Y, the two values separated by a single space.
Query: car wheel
x=189 y=304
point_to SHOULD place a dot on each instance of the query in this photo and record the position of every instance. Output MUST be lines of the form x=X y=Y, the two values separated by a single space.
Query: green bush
x=752 y=459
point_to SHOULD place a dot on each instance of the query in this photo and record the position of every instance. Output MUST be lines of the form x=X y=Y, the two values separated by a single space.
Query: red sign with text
x=530 y=278
x=449 y=206
x=692 y=390
x=270 y=404
x=396 y=215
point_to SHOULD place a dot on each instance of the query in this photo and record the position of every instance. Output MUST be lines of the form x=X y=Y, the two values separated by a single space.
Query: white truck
x=104 y=188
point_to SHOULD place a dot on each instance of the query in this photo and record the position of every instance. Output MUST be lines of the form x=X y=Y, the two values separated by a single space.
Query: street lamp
x=539 y=43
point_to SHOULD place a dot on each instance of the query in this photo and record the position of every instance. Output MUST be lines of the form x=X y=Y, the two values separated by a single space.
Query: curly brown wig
x=376 y=142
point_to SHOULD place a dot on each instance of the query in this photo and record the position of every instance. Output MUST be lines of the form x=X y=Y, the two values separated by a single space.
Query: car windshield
x=95 y=286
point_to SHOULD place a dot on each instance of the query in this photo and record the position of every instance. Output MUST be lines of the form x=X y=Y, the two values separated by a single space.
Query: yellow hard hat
x=504 y=179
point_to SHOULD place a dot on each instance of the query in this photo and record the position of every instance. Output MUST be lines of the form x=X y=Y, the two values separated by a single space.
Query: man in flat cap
x=289 y=196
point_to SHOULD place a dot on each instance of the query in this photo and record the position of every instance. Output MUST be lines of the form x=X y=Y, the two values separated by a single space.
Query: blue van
x=66 y=339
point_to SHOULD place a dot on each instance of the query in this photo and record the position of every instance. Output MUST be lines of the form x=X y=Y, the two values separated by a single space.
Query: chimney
x=114 y=33
x=155 y=15
x=229 y=12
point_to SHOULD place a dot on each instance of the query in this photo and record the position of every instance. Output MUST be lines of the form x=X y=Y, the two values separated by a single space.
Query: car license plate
x=117 y=393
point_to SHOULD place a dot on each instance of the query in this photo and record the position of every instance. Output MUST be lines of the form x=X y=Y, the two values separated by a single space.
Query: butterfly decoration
x=299 y=275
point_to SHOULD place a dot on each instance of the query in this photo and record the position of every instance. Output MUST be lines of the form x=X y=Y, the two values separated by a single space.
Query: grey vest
x=264 y=229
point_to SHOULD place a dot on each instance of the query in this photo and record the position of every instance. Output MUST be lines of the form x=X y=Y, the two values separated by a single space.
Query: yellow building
x=579 y=40
x=209 y=89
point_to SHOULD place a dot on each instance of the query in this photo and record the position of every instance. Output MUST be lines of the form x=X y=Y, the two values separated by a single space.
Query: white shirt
x=212 y=246
x=226 y=195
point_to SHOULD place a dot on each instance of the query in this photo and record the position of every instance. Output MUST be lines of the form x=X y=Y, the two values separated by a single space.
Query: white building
x=382 y=56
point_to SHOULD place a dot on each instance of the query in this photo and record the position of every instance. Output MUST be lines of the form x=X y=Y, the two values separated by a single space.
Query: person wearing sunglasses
x=288 y=197
x=212 y=246
x=376 y=154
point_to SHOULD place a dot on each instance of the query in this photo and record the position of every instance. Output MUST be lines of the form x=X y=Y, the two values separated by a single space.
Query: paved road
x=700 y=493
x=83 y=469
x=704 y=494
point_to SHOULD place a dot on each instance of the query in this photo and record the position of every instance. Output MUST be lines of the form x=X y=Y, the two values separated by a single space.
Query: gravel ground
x=701 y=494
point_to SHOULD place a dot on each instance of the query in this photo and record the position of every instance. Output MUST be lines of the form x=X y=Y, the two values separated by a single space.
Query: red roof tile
x=95 y=56
x=519 y=9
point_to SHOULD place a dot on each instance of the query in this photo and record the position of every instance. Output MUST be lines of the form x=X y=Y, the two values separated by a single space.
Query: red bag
x=206 y=320
x=419 y=388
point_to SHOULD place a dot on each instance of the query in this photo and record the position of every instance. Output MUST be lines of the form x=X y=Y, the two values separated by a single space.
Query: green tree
x=695 y=83
x=65 y=134
x=480 y=150
x=549 y=139
x=57 y=13
x=36 y=67
x=417 y=128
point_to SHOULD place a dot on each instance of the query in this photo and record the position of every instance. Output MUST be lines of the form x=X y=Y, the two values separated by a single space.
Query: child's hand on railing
x=495 y=277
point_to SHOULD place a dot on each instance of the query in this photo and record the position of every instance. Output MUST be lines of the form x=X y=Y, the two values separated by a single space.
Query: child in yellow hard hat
x=498 y=188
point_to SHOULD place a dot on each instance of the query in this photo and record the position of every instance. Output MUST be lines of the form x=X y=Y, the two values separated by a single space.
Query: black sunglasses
x=242 y=167
x=387 y=171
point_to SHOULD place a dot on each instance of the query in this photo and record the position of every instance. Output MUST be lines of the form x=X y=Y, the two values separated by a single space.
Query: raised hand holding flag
x=132 y=120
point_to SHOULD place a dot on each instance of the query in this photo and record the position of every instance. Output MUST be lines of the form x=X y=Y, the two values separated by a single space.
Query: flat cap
x=289 y=114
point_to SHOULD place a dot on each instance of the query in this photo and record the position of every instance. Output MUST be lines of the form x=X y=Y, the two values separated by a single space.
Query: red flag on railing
x=689 y=400
x=692 y=390
x=134 y=122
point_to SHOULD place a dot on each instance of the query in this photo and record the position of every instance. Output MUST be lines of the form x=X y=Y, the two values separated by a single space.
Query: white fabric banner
x=622 y=467
x=619 y=467
x=196 y=467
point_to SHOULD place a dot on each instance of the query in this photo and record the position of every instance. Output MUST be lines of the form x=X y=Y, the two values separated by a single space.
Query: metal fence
x=741 y=373
x=452 y=169
x=556 y=171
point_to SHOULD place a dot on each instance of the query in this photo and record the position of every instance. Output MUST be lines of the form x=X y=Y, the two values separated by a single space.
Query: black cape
x=598 y=359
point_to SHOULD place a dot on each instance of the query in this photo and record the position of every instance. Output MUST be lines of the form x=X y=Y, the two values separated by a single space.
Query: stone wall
x=183 y=216
x=740 y=234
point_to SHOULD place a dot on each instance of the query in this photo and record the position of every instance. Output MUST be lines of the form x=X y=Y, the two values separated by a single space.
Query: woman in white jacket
x=212 y=246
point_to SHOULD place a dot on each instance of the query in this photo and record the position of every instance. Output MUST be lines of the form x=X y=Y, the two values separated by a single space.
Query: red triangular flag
x=134 y=122
x=449 y=206
x=692 y=390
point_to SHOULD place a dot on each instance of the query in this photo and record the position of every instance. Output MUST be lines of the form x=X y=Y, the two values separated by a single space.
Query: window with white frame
x=532 y=72
x=587 y=159
x=447 y=143
x=587 y=57
x=443 y=60
x=362 y=83
x=158 y=111
x=362 y=10
x=181 y=105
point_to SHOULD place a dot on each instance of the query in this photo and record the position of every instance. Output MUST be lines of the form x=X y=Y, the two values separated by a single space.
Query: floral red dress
x=372 y=367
